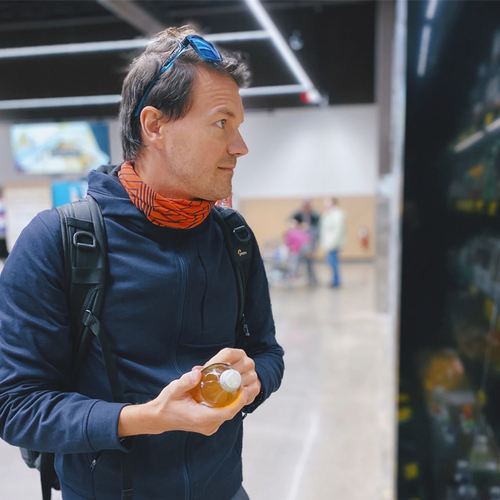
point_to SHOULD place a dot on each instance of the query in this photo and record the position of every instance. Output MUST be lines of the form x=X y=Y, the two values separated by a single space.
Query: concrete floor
x=328 y=432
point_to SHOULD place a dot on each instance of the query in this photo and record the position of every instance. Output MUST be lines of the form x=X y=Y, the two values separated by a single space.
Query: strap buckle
x=81 y=243
x=242 y=233
x=89 y=320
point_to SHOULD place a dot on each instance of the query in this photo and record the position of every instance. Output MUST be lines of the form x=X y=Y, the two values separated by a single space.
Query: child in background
x=299 y=243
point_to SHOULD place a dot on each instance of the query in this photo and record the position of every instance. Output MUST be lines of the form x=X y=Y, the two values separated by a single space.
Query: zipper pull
x=246 y=331
x=94 y=460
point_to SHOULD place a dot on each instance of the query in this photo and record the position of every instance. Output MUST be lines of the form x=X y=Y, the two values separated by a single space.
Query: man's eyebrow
x=225 y=111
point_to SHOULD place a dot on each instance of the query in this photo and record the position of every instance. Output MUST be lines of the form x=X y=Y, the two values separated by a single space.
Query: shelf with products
x=490 y=208
x=474 y=157
x=410 y=473
x=476 y=139
x=474 y=179
x=465 y=453
x=472 y=312
x=461 y=383
x=481 y=118
x=475 y=267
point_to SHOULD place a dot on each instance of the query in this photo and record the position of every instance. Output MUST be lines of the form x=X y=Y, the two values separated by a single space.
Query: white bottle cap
x=230 y=380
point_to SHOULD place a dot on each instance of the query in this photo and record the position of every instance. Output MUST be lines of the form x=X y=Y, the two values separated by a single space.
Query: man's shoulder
x=41 y=236
x=39 y=245
x=49 y=217
x=44 y=224
x=51 y=222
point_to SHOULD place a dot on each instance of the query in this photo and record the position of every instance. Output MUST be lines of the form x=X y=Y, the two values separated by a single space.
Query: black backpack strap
x=239 y=242
x=95 y=326
x=48 y=475
x=85 y=247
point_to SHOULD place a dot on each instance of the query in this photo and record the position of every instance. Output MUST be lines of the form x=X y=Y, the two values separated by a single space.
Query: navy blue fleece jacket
x=170 y=304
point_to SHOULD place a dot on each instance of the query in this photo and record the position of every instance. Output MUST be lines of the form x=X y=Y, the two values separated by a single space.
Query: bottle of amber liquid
x=219 y=386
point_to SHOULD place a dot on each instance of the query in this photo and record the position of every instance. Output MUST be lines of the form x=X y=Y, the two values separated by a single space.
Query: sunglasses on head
x=203 y=48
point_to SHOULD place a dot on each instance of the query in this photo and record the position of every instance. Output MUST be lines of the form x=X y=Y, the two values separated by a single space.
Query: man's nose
x=237 y=146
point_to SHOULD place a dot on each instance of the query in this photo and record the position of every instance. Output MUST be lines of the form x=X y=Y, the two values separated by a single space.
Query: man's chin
x=223 y=194
x=222 y=197
x=223 y=191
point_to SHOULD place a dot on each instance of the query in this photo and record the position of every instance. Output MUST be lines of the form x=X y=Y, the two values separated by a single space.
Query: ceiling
x=335 y=42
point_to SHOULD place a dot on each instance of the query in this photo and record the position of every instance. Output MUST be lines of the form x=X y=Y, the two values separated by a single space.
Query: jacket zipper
x=187 y=495
x=204 y=292
x=182 y=294
x=94 y=460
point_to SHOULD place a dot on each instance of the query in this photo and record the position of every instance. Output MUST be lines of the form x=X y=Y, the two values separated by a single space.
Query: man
x=170 y=304
x=332 y=236
x=309 y=216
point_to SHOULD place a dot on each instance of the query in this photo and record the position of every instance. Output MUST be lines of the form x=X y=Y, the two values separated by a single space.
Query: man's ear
x=151 y=130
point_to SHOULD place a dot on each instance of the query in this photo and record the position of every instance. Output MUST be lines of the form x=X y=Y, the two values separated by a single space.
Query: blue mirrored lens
x=204 y=49
x=208 y=55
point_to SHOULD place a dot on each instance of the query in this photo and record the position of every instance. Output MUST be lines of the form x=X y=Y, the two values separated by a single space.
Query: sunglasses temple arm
x=141 y=103
x=155 y=79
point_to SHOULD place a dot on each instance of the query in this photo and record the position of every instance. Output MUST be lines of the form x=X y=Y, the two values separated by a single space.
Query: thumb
x=188 y=381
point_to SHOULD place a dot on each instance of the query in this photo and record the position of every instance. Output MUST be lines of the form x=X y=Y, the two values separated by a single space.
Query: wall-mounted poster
x=60 y=147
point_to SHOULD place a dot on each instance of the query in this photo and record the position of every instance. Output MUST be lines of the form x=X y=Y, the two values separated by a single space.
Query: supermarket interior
x=391 y=107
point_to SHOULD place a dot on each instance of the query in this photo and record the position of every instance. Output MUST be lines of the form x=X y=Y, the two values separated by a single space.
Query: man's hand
x=175 y=409
x=238 y=359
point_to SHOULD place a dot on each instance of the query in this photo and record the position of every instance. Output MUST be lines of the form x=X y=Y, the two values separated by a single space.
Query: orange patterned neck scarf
x=166 y=212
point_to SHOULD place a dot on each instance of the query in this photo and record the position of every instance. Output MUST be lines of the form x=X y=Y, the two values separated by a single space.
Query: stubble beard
x=219 y=191
x=229 y=162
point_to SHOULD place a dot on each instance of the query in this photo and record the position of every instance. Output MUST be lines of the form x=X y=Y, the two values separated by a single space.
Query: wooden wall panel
x=268 y=219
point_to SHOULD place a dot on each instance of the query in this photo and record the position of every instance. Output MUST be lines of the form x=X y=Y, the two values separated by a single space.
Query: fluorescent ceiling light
x=270 y=31
x=73 y=48
x=138 y=43
x=431 y=9
x=58 y=102
x=424 y=50
x=134 y=15
x=469 y=141
x=286 y=52
x=237 y=36
x=273 y=90
x=99 y=100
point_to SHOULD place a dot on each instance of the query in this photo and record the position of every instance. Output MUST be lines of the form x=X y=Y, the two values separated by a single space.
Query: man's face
x=201 y=149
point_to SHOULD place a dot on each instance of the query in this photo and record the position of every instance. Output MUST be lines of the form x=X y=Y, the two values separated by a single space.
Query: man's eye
x=221 y=123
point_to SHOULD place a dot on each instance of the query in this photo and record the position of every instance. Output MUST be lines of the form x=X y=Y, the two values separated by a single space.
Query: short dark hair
x=172 y=92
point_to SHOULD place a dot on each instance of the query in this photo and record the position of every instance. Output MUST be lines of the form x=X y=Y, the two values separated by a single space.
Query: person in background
x=171 y=303
x=332 y=235
x=299 y=242
x=309 y=218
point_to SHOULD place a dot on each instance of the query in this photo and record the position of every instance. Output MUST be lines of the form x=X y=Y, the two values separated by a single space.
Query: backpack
x=84 y=252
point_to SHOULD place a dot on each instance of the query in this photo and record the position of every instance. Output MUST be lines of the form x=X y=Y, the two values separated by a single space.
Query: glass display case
x=450 y=298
